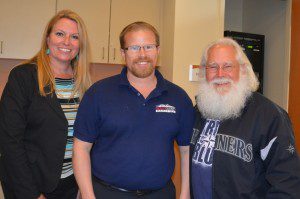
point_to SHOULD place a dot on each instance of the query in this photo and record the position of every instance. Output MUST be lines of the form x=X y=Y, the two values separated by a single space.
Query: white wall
x=272 y=19
x=167 y=39
x=234 y=15
x=197 y=23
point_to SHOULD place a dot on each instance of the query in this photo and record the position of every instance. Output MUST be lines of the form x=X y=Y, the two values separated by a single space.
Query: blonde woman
x=37 y=111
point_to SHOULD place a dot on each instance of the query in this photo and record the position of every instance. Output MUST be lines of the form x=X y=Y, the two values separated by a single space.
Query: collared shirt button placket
x=139 y=95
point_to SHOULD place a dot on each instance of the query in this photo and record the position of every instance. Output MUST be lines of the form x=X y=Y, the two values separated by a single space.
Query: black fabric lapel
x=52 y=100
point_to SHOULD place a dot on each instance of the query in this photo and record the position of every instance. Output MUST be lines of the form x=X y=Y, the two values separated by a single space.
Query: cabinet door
x=21 y=26
x=95 y=14
x=124 y=12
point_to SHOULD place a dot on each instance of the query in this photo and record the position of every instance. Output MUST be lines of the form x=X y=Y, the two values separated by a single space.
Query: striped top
x=63 y=90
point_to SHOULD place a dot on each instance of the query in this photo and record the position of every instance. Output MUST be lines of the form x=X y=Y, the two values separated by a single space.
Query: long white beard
x=213 y=105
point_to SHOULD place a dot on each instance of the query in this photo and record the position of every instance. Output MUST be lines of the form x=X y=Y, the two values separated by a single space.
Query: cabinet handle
x=1 y=47
x=114 y=53
x=103 y=52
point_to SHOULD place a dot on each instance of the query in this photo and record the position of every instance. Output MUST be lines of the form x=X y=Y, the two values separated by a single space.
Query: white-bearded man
x=243 y=143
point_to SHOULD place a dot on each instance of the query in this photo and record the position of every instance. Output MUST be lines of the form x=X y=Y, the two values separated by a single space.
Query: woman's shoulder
x=24 y=68
x=25 y=73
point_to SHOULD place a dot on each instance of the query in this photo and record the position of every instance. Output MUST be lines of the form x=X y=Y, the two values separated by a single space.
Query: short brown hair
x=135 y=26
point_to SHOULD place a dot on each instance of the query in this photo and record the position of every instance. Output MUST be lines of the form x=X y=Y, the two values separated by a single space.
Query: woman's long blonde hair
x=80 y=64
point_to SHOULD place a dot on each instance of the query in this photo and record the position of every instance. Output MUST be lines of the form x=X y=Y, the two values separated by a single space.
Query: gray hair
x=240 y=57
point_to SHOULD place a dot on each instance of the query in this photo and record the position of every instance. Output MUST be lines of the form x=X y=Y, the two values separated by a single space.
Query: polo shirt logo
x=166 y=108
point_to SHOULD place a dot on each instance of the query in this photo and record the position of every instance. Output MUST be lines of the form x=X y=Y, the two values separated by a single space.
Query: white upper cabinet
x=105 y=19
x=21 y=26
x=95 y=14
x=23 y=22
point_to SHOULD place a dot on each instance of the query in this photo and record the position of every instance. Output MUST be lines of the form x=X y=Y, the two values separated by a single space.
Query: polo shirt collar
x=161 y=82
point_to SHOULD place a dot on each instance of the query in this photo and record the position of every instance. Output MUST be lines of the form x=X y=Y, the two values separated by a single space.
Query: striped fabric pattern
x=69 y=105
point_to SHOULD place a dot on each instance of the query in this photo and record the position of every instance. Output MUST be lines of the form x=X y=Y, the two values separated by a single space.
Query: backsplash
x=98 y=71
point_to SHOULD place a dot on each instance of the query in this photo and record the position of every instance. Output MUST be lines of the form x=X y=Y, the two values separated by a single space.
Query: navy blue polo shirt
x=133 y=136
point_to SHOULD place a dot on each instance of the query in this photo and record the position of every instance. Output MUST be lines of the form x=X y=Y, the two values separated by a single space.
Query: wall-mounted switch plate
x=194 y=73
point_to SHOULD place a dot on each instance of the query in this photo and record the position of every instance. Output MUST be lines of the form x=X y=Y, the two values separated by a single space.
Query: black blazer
x=33 y=135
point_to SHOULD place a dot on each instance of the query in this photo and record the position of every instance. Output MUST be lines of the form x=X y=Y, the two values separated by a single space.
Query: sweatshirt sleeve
x=281 y=159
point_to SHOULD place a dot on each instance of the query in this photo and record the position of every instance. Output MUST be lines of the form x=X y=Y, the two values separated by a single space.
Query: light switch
x=194 y=73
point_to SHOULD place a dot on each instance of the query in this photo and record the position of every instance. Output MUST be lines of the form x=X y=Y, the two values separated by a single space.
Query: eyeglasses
x=213 y=68
x=136 y=48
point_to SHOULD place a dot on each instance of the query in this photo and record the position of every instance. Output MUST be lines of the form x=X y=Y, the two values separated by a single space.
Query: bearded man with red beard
x=243 y=143
x=126 y=126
